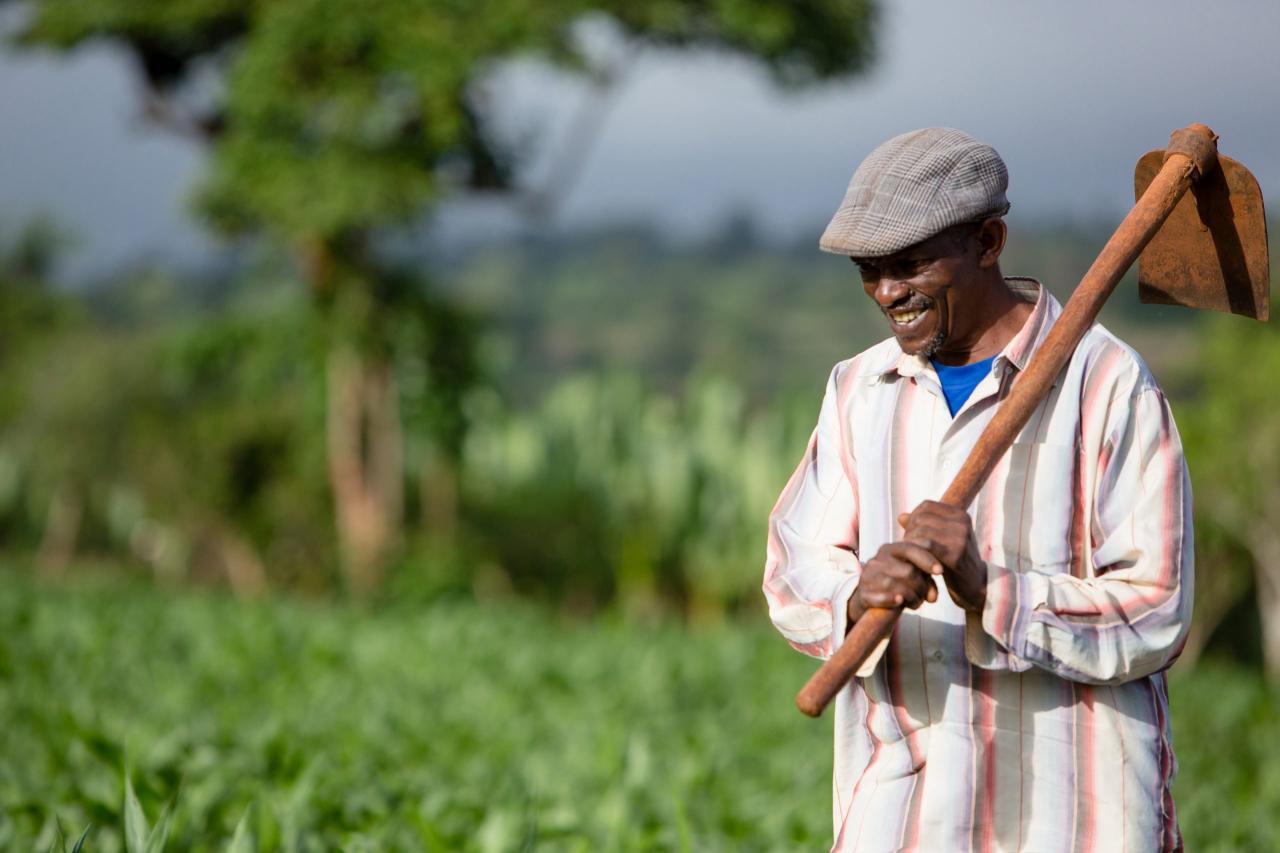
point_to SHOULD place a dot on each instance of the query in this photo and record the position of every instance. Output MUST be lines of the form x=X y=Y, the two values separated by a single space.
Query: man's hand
x=897 y=576
x=947 y=533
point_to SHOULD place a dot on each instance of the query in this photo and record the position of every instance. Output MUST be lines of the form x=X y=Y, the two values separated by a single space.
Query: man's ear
x=991 y=237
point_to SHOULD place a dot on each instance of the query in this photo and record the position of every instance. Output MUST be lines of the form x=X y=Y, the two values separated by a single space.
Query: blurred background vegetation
x=483 y=524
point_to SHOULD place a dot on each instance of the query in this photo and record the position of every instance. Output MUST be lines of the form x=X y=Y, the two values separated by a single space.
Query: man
x=1021 y=702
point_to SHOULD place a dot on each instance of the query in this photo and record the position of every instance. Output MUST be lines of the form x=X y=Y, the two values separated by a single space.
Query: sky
x=1071 y=94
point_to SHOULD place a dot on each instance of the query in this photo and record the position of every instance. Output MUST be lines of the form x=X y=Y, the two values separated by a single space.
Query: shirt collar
x=1021 y=346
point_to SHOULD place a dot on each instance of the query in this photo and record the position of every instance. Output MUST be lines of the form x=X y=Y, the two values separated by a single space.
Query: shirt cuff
x=992 y=638
x=840 y=610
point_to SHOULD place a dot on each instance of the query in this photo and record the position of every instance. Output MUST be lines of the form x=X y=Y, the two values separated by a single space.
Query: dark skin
x=944 y=298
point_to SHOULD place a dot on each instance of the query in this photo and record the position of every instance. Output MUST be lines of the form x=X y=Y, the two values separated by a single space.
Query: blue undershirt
x=958 y=381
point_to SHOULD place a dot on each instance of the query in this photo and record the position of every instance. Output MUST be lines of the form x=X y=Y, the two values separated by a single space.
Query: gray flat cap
x=914 y=186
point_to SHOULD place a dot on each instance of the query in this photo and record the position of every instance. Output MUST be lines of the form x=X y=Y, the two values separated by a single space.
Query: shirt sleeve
x=1129 y=618
x=812 y=567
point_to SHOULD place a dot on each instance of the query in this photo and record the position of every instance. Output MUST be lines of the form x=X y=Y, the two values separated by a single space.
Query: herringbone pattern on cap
x=914 y=186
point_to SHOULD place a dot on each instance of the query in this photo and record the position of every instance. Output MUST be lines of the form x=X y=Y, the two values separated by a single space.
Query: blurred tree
x=331 y=120
x=30 y=311
x=1233 y=449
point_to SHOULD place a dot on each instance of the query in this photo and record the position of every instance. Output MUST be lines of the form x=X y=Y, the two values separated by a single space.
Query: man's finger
x=910 y=597
x=920 y=594
x=926 y=532
x=899 y=584
x=918 y=555
x=940 y=511
x=897 y=596
x=939 y=541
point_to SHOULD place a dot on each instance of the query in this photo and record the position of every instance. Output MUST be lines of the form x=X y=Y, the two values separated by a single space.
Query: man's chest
x=1032 y=513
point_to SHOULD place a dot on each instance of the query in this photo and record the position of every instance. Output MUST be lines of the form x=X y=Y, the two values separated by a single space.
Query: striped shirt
x=1042 y=723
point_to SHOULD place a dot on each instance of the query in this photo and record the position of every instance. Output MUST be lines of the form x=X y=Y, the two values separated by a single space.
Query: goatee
x=934 y=344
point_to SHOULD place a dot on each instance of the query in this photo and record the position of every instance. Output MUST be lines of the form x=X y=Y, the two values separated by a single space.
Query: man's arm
x=814 y=582
x=812 y=567
x=1130 y=617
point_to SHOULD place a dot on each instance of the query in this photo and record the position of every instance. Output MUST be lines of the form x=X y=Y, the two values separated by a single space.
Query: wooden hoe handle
x=1192 y=152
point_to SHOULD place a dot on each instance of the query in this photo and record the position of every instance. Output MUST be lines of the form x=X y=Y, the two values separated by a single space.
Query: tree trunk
x=61 y=530
x=245 y=572
x=1265 y=546
x=1219 y=587
x=438 y=496
x=365 y=450
x=364 y=441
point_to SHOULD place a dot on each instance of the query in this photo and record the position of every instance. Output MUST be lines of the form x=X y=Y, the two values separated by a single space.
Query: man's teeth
x=904 y=317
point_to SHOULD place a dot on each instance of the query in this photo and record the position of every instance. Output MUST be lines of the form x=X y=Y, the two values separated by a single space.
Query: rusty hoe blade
x=1212 y=250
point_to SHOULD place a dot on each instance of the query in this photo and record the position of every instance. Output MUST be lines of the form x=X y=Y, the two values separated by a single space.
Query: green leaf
x=135 y=822
x=80 y=841
x=59 y=843
x=160 y=833
x=242 y=842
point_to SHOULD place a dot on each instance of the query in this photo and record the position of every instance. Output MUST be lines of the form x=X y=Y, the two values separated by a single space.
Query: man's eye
x=867 y=270
x=912 y=267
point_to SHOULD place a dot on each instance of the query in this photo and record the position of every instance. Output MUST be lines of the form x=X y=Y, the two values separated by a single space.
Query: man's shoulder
x=1105 y=358
x=871 y=362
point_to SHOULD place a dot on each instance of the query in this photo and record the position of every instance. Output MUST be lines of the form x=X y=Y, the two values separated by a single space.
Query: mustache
x=914 y=302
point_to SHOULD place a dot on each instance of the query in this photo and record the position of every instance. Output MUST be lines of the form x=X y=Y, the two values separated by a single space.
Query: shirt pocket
x=1037 y=505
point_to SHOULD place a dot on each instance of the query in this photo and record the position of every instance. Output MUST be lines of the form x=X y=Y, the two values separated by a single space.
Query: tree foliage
x=1233 y=448
x=332 y=117
x=329 y=121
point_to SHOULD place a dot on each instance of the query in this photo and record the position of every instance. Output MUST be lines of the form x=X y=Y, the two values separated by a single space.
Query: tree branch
x=162 y=110
x=584 y=132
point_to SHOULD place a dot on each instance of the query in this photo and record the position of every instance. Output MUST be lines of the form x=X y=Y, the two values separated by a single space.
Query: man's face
x=921 y=289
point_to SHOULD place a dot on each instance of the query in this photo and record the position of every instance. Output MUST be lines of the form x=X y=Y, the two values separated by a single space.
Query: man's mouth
x=908 y=316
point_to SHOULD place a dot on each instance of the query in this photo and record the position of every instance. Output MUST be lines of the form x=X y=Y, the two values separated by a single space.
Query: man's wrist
x=978 y=600
x=854 y=611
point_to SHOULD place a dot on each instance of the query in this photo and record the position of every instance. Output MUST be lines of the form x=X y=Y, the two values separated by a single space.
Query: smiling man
x=1026 y=707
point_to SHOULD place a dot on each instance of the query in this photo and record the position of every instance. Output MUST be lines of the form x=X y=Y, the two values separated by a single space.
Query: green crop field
x=466 y=727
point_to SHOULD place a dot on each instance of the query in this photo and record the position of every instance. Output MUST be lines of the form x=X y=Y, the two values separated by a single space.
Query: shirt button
x=937 y=656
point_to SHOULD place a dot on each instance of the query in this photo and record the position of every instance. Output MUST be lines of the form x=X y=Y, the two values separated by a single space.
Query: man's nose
x=889 y=289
